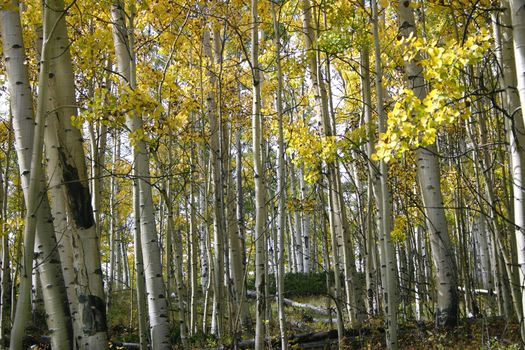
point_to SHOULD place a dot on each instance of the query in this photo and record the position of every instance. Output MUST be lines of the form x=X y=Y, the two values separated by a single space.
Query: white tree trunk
x=307 y=242
x=281 y=188
x=384 y=200
x=506 y=54
x=155 y=289
x=517 y=11
x=142 y=310
x=218 y=193
x=33 y=184
x=260 y=219
x=194 y=240
x=297 y=229
x=429 y=180
x=71 y=171
x=58 y=317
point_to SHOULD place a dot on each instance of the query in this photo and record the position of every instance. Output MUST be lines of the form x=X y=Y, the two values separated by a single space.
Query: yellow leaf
x=384 y=3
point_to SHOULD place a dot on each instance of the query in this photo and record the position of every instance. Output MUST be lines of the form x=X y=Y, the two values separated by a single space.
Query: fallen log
x=290 y=302
x=312 y=337
x=126 y=345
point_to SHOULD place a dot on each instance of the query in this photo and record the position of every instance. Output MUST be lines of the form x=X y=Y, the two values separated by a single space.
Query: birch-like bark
x=240 y=201
x=35 y=190
x=384 y=202
x=113 y=219
x=506 y=55
x=306 y=239
x=142 y=309
x=517 y=11
x=429 y=181
x=4 y=266
x=178 y=263
x=5 y=276
x=239 y=301
x=70 y=171
x=354 y=304
x=155 y=289
x=281 y=186
x=297 y=229
x=213 y=111
x=49 y=267
x=194 y=240
x=260 y=219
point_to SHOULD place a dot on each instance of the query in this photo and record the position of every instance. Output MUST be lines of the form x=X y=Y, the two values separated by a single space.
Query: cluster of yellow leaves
x=301 y=205
x=8 y=5
x=398 y=233
x=462 y=3
x=413 y=121
x=310 y=147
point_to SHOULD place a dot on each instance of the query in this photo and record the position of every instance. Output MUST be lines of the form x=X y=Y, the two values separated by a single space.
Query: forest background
x=179 y=158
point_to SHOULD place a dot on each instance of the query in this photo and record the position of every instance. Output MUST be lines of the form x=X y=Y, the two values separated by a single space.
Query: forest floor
x=475 y=333
x=308 y=329
x=311 y=330
x=483 y=333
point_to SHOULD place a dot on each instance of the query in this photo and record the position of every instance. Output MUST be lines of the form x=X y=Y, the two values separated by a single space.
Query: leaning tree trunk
x=70 y=172
x=30 y=137
x=429 y=180
x=155 y=290
x=58 y=317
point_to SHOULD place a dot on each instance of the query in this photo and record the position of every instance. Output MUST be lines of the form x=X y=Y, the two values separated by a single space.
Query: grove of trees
x=175 y=160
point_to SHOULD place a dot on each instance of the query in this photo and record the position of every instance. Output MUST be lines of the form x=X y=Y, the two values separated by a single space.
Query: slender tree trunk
x=281 y=188
x=113 y=219
x=429 y=180
x=240 y=205
x=218 y=194
x=155 y=289
x=235 y=249
x=194 y=244
x=178 y=263
x=305 y=225
x=35 y=191
x=260 y=219
x=297 y=229
x=142 y=310
x=5 y=268
x=384 y=202
x=509 y=79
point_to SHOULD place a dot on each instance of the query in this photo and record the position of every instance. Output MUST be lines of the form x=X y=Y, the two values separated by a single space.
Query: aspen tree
x=155 y=289
x=216 y=154
x=31 y=136
x=384 y=197
x=58 y=317
x=260 y=219
x=429 y=181
x=516 y=137
x=281 y=186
